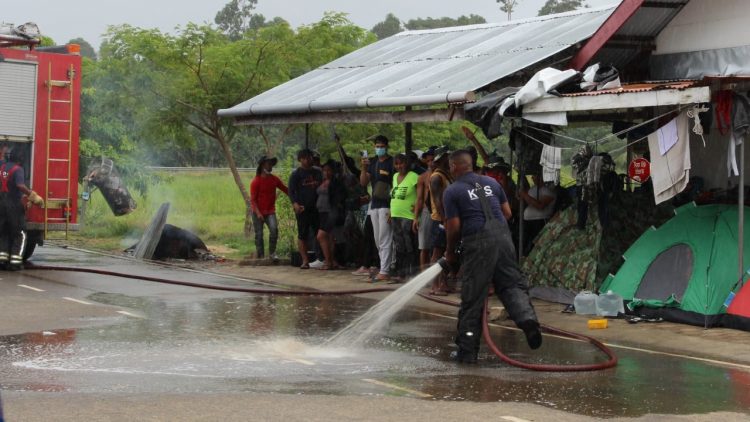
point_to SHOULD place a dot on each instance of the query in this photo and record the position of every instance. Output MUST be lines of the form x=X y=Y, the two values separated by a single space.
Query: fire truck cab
x=40 y=112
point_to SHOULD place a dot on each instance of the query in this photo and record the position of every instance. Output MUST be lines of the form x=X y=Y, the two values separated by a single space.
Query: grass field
x=207 y=204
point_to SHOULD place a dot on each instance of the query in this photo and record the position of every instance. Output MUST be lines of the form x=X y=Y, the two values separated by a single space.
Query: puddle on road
x=275 y=344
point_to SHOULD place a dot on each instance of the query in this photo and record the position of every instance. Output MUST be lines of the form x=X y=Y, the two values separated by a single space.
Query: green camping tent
x=684 y=270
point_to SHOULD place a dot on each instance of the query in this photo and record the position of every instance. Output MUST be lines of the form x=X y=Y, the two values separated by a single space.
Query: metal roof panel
x=427 y=66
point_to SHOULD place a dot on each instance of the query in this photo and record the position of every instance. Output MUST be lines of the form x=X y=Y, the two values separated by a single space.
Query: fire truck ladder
x=59 y=199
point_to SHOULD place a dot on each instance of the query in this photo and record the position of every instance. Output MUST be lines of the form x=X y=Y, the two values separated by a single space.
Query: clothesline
x=542 y=143
x=600 y=140
x=625 y=146
x=570 y=148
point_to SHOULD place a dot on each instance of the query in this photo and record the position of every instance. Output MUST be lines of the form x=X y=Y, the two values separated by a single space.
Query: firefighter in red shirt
x=12 y=214
x=263 y=203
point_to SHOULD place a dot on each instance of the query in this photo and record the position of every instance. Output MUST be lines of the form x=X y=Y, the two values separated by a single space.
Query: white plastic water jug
x=609 y=304
x=585 y=303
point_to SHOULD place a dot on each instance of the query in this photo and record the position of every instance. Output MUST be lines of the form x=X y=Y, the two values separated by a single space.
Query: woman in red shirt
x=263 y=203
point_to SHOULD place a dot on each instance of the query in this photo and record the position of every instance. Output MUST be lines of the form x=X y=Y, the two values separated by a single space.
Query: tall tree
x=444 y=22
x=236 y=17
x=86 y=49
x=45 y=41
x=508 y=6
x=391 y=25
x=170 y=87
x=560 y=6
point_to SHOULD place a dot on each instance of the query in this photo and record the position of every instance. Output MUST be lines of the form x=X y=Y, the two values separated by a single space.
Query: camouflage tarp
x=567 y=257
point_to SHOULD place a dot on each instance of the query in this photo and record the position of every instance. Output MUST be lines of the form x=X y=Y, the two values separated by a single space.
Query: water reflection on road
x=275 y=344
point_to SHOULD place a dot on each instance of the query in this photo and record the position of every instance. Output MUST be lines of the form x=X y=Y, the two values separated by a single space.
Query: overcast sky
x=64 y=20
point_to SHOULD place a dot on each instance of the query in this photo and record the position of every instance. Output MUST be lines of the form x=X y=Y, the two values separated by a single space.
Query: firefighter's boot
x=4 y=260
x=16 y=263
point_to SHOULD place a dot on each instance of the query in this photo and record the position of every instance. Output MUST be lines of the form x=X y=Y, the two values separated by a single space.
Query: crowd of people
x=397 y=214
x=385 y=215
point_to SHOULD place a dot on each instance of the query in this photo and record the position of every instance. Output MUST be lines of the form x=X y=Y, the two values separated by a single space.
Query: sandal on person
x=381 y=277
x=325 y=268
x=305 y=266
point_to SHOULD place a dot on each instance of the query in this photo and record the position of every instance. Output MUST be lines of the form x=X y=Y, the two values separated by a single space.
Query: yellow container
x=597 y=324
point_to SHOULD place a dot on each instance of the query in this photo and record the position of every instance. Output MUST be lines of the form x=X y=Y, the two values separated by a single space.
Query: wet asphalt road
x=145 y=338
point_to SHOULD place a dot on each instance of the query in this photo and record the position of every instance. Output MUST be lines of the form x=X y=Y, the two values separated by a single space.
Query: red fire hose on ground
x=611 y=362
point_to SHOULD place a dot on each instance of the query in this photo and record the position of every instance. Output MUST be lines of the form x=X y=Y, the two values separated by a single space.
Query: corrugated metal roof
x=638 y=87
x=650 y=19
x=427 y=67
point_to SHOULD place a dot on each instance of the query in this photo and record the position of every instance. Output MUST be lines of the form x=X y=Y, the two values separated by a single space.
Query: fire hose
x=611 y=362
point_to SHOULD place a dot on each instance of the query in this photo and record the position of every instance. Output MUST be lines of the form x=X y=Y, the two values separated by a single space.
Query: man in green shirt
x=404 y=218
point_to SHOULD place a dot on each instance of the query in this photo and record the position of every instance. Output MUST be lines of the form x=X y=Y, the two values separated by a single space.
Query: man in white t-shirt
x=540 y=205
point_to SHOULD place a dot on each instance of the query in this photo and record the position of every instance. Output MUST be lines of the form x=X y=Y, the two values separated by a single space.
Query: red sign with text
x=639 y=170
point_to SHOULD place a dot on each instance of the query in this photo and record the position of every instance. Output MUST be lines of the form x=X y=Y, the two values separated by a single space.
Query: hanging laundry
x=723 y=109
x=551 y=161
x=695 y=114
x=594 y=170
x=596 y=181
x=670 y=172
x=734 y=142
x=740 y=129
x=667 y=136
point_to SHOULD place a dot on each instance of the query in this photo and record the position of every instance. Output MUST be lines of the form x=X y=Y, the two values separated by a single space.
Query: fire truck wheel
x=32 y=239
x=28 y=251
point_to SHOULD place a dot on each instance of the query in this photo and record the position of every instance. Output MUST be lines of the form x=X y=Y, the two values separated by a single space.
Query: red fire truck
x=40 y=93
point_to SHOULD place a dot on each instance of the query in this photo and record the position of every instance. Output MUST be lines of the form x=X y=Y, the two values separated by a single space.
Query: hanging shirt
x=670 y=172
x=404 y=196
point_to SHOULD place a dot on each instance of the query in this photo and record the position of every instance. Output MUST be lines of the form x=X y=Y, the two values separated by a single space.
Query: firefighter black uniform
x=12 y=213
x=476 y=211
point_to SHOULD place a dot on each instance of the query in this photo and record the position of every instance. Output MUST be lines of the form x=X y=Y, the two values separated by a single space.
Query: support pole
x=521 y=205
x=629 y=183
x=307 y=135
x=408 y=141
x=741 y=214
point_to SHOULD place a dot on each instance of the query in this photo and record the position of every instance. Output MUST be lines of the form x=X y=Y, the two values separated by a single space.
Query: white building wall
x=706 y=25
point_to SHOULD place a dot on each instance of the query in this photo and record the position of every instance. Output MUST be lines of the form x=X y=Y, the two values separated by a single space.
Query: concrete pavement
x=718 y=345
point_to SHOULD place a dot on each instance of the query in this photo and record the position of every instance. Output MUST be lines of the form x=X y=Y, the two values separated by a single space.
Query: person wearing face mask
x=263 y=205
x=379 y=174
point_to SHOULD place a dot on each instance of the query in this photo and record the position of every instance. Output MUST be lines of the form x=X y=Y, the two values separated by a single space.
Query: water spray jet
x=396 y=300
